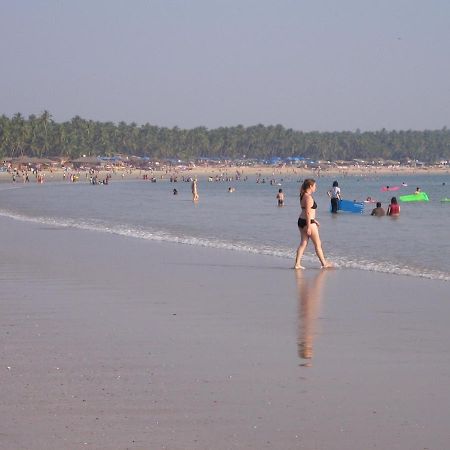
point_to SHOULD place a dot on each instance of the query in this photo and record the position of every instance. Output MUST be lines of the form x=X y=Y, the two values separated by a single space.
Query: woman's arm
x=308 y=213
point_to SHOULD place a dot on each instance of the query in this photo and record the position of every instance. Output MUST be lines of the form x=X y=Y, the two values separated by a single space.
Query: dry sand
x=114 y=343
x=56 y=175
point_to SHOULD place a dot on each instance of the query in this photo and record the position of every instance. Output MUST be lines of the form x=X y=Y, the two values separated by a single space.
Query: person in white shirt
x=335 y=194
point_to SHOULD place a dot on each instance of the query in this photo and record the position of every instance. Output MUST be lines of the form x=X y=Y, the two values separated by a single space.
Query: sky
x=323 y=65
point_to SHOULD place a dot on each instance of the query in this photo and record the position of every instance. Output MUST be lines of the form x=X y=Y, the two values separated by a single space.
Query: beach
x=230 y=170
x=111 y=342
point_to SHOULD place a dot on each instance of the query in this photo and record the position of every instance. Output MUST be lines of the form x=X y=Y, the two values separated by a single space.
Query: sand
x=111 y=342
x=56 y=175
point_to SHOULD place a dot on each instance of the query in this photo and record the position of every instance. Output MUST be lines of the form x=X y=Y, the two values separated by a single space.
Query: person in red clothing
x=393 y=208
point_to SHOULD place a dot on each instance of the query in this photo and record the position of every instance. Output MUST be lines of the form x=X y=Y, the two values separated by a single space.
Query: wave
x=165 y=236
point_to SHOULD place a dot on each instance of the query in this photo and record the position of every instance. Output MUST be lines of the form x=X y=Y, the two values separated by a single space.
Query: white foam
x=164 y=236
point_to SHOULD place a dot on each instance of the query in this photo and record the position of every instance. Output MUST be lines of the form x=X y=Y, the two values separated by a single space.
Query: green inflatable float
x=419 y=197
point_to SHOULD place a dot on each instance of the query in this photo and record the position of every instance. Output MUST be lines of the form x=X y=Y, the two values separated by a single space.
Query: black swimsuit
x=302 y=222
x=314 y=206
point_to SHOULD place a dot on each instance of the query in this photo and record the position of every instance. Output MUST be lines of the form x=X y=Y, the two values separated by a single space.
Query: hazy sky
x=305 y=64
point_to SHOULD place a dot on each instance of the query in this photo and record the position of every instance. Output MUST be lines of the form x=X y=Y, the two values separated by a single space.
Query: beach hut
x=32 y=162
x=88 y=162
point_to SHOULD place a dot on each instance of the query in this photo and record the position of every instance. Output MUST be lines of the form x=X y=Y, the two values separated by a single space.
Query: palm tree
x=18 y=135
x=45 y=120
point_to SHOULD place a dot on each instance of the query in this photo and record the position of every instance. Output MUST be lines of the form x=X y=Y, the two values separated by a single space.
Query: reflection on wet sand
x=309 y=290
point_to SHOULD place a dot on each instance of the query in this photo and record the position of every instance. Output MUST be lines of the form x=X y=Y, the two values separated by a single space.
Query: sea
x=415 y=244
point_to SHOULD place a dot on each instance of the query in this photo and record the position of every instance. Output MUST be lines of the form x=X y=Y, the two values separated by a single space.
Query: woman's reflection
x=309 y=290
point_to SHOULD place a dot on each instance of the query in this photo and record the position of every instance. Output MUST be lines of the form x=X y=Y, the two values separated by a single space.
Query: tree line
x=41 y=136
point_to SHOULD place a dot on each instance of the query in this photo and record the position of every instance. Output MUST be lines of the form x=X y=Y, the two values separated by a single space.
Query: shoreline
x=285 y=256
x=344 y=255
x=111 y=342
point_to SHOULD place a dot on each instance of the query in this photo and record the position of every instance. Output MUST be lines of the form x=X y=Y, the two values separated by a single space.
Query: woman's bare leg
x=301 y=248
x=318 y=246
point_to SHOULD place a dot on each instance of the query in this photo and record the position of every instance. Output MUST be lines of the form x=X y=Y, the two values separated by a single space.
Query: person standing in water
x=280 y=197
x=194 y=190
x=378 y=211
x=393 y=208
x=308 y=225
x=335 y=194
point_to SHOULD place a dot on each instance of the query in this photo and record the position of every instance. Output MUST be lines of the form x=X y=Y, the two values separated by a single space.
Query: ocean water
x=248 y=220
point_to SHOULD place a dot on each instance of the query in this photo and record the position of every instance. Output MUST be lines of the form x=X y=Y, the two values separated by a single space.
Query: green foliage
x=41 y=136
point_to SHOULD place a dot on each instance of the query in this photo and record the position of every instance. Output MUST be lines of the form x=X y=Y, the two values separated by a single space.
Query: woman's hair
x=335 y=184
x=394 y=200
x=309 y=182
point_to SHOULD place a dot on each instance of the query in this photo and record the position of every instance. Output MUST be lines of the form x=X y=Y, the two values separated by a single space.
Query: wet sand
x=110 y=342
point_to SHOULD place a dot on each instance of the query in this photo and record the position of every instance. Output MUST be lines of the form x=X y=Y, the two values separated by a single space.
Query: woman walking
x=308 y=225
